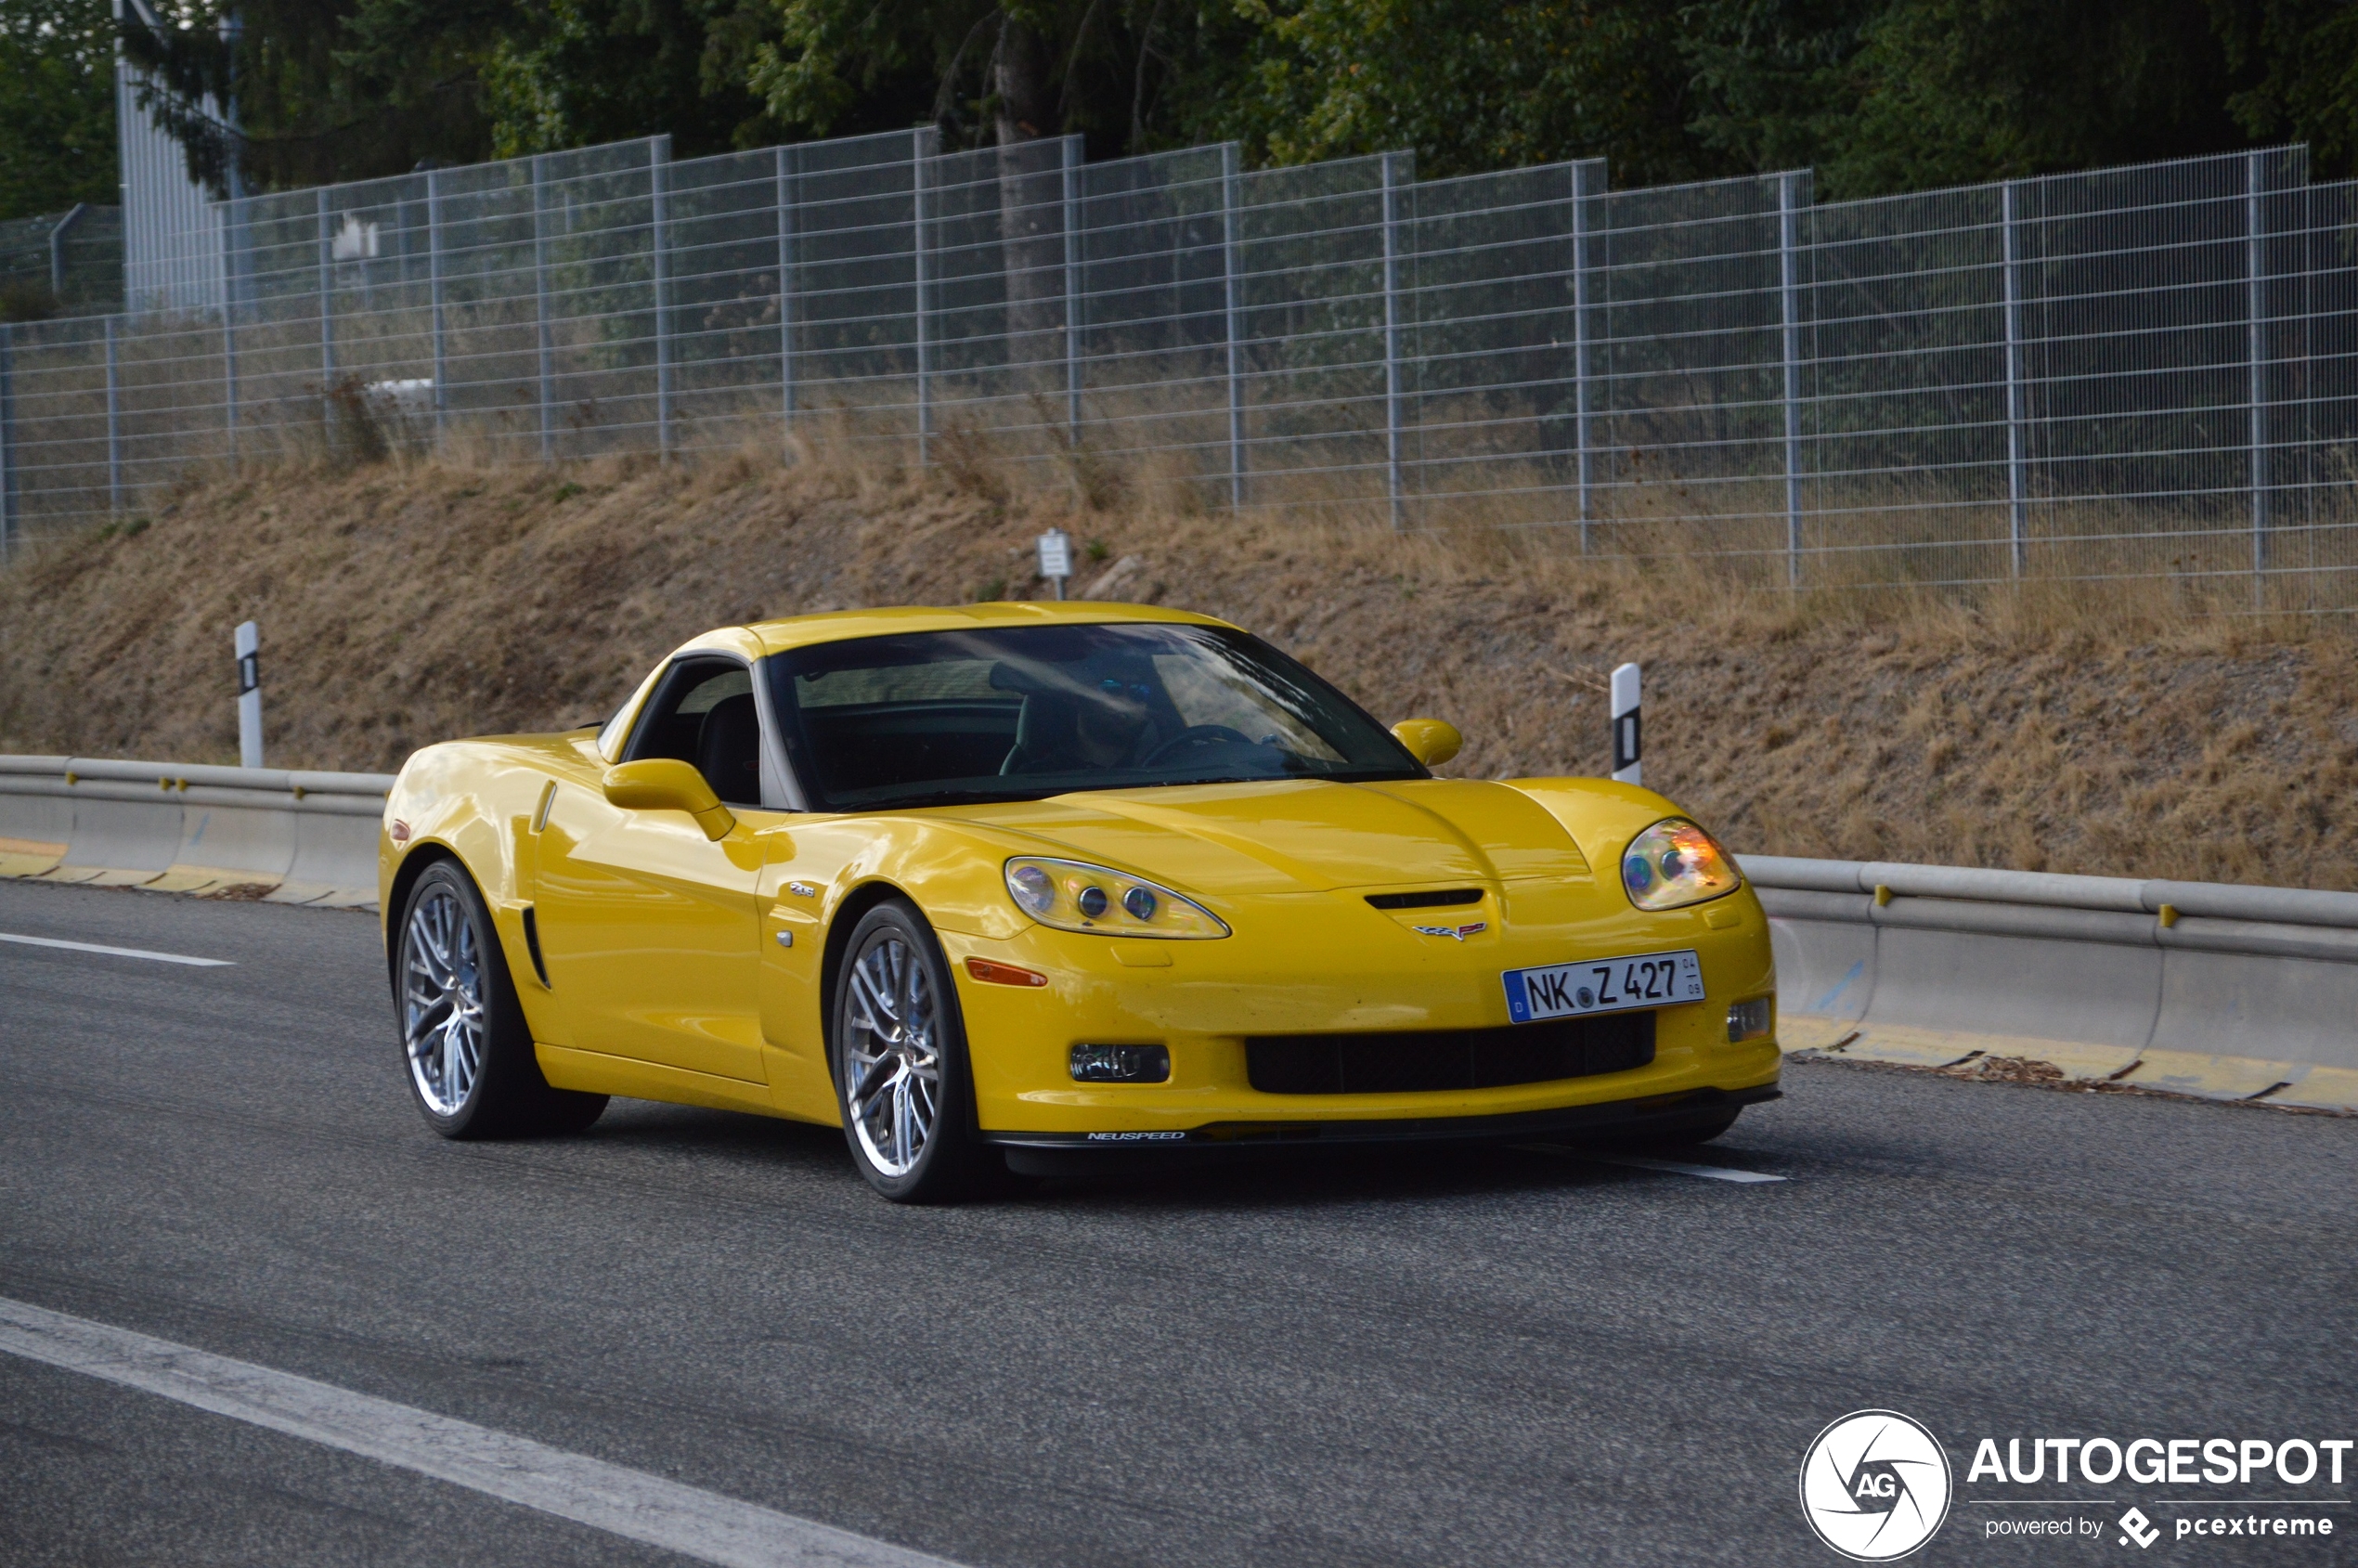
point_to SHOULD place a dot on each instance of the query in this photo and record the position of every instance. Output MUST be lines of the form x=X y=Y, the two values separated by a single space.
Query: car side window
x=704 y=715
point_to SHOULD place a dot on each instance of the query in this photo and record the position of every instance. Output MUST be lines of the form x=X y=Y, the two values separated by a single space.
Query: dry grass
x=2133 y=732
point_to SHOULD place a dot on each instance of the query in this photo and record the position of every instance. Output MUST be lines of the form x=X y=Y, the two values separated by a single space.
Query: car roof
x=838 y=625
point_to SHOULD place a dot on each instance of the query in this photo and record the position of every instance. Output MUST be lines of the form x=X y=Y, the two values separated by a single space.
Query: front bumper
x=1326 y=967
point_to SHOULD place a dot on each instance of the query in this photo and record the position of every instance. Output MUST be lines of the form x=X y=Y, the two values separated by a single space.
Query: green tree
x=1910 y=94
x=1470 y=86
x=1119 y=72
x=328 y=90
x=57 y=105
x=2297 y=65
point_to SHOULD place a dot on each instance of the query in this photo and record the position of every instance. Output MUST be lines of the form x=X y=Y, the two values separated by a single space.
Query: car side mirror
x=1429 y=741
x=663 y=784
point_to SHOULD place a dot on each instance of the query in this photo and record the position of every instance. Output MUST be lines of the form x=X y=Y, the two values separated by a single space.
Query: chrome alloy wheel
x=892 y=1056
x=441 y=1001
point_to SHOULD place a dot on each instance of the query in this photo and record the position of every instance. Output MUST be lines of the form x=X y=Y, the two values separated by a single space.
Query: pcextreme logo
x=1875 y=1485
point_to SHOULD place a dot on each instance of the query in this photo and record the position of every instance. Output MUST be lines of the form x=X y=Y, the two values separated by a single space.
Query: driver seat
x=1047 y=735
x=729 y=750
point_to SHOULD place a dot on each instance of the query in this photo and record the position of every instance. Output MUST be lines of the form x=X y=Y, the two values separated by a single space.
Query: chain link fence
x=2145 y=372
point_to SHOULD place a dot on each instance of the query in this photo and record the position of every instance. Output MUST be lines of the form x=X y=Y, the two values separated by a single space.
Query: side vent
x=1449 y=900
x=531 y=946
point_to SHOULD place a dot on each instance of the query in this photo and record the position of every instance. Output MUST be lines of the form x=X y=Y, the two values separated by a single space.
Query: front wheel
x=902 y=1078
x=471 y=1067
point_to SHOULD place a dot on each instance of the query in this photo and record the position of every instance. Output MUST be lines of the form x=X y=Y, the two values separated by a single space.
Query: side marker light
x=1004 y=974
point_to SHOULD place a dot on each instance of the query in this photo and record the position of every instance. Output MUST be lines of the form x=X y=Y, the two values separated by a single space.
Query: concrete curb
x=283 y=836
x=2193 y=988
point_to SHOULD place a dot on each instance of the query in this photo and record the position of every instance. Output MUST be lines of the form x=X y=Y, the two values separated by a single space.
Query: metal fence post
x=658 y=192
x=544 y=334
x=2256 y=352
x=788 y=196
x=435 y=298
x=10 y=521
x=1391 y=336
x=1583 y=177
x=1789 y=292
x=1075 y=301
x=1231 y=249
x=2018 y=496
x=114 y=418
x=921 y=150
x=230 y=274
x=327 y=297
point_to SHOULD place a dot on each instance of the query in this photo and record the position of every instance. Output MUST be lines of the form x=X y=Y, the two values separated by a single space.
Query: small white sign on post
x=1055 y=558
x=248 y=646
x=1628 y=732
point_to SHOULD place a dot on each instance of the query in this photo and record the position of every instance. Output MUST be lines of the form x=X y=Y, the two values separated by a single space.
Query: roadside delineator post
x=249 y=695
x=1628 y=728
x=1055 y=558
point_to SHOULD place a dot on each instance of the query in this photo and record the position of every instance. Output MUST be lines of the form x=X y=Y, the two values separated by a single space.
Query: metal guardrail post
x=789 y=195
x=1231 y=255
x=1789 y=296
x=921 y=151
x=1075 y=301
x=2256 y=352
x=658 y=192
x=2017 y=498
x=327 y=297
x=544 y=334
x=1585 y=177
x=435 y=298
x=114 y=417
x=1391 y=337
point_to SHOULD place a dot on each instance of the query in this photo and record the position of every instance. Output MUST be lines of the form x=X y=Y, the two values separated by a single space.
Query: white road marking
x=687 y=1519
x=1680 y=1168
x=120 y=951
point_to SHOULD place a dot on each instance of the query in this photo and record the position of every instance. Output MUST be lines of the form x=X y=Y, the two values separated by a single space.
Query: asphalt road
x=1514 y=1357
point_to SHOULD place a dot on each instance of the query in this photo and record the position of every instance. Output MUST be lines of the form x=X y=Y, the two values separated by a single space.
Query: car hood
x=1298 y=836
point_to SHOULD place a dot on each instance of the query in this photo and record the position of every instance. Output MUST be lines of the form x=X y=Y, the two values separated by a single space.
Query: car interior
x=704 y=715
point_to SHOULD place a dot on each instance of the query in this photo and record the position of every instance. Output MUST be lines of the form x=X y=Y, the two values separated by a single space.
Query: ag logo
x=1874 y=1485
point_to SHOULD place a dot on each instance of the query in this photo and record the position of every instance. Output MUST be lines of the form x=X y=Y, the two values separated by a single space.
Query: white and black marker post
x=1628 y=731
x=1055 y=558
x=249 y=695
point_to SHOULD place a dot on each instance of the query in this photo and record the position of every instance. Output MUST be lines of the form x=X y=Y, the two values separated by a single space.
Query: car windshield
x=940 y=717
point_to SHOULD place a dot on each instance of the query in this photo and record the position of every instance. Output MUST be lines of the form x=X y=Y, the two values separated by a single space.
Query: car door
x=648 y=927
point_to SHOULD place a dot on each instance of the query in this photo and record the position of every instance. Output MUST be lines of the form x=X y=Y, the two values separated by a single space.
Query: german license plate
x=1603 y=985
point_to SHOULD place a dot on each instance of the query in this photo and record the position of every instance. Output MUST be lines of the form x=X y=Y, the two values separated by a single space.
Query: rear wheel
x=463 y=1035
x=902 y=1078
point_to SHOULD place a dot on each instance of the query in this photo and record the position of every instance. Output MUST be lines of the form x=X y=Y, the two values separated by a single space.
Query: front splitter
x=1062 y=1153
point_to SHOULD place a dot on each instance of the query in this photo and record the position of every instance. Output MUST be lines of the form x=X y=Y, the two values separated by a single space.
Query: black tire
x=444 y=947
x=893 y=976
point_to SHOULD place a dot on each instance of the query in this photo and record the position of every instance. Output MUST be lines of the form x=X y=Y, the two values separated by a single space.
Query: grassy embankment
x=406 y=602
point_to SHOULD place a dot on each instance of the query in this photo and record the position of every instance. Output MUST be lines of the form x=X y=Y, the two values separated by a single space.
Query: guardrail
x=289 y=836
x=2202 y=988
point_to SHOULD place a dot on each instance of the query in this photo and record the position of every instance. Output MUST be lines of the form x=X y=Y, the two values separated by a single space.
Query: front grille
x=1417 y=1061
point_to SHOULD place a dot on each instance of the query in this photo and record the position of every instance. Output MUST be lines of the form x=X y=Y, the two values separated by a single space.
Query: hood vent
x=1449 y=900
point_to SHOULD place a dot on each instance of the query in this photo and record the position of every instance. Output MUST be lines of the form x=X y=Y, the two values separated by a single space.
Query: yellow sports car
x=1024 y=887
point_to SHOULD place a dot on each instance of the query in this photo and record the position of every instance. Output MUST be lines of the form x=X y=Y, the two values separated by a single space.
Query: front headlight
x=1075 y=896
x=1675 y=863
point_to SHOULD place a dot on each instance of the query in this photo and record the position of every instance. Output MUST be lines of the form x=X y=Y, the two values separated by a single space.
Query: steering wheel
x=1196 y=736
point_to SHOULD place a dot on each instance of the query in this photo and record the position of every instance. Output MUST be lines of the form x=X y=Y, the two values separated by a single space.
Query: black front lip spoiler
x=1655 y=1113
